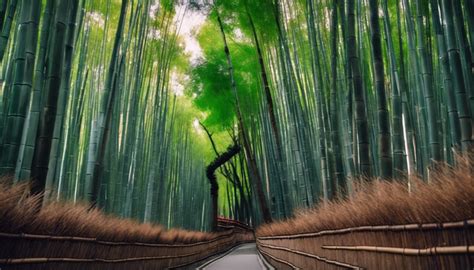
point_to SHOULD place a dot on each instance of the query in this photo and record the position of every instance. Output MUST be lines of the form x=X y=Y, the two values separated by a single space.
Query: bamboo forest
x=236 y=134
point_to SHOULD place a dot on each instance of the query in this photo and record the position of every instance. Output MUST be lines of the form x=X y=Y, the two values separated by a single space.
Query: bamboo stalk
x=408 y=251
x=406 y=227
x=6 y=22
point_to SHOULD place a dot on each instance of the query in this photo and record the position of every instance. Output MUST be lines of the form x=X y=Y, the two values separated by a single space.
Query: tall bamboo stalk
x=23 y=66
x=7 y=13
x=108 y=101
x=458 y=82
x=53 y=80
x=397 y=116
x=360 y=103
x=384 y=144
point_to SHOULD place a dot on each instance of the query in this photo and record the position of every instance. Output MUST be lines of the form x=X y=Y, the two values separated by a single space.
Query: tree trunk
x=210 y=173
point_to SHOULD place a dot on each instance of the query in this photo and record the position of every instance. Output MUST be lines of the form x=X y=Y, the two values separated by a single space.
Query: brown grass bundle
x=448 y=197
x=18 y=215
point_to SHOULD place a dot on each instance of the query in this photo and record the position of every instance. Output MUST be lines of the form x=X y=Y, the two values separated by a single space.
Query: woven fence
x=28 y=251
x=413 y=246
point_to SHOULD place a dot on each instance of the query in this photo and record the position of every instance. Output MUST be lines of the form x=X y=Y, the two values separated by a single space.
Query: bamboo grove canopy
x=123 y=103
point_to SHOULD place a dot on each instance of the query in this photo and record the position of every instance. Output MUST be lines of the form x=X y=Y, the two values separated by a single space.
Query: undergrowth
x=447 y=197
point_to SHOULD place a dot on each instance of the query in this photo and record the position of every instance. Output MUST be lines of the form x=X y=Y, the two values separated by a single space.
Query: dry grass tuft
x=448 y=197
x=18 y=215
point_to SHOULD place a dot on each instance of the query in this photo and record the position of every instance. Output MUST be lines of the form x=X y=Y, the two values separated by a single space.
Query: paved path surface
x=241 y=257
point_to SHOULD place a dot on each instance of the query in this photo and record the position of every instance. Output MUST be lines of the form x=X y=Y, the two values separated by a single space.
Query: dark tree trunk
x=210 y=173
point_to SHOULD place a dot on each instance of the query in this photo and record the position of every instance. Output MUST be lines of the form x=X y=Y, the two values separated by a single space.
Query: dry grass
x=448 y=197
x=18 y=215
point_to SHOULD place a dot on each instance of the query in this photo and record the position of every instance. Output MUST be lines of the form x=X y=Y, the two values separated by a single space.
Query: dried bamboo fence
x=28 y=251
x=413 y=246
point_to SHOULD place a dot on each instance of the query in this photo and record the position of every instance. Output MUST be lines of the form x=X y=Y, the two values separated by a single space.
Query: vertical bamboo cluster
x=16 y=93
x=85 y=130
x=337 y=96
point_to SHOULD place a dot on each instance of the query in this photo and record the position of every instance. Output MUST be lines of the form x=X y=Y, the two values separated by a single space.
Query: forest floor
x=244 y=256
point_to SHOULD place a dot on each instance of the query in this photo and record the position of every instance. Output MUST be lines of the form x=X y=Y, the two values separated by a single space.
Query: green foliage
x=167 y=5
x=237 y=12
x=213 y=92
x=211 y=83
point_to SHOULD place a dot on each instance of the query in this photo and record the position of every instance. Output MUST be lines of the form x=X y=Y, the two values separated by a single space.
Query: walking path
x=244 y=256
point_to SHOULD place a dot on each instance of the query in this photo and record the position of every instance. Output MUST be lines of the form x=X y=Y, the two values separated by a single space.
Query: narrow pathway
x=244 y=256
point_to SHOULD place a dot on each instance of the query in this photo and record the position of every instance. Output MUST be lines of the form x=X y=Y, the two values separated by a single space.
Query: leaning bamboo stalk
x=467 y=224
x=408 y=251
